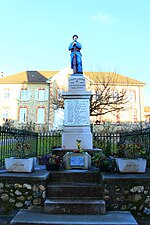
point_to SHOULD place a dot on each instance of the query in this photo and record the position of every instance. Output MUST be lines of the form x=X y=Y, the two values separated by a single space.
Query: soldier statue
x=76 y=56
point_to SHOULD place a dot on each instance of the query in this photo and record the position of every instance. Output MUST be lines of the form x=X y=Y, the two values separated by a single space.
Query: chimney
x=1 y=74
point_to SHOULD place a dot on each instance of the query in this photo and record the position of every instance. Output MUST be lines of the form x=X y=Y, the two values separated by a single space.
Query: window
x=5 y=113
x=24 y=95
x=41 y=115
x=23 y=115
x=115 y=96
x=132 y=96
x=41 y=95
x=6 y=94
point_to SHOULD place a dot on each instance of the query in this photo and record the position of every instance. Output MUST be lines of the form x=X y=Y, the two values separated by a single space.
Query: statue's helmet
x=74 y=36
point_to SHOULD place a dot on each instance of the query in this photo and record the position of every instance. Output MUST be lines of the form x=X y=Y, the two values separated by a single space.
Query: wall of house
x=9 y=102
x=134 y=110
x=33 y=104
x=14 y=103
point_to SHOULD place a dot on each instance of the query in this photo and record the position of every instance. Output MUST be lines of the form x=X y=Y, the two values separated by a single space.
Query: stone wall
x=127 y=192
x=23 y=191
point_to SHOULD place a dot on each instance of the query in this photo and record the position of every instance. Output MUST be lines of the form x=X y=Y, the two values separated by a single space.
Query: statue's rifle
x=74 y=61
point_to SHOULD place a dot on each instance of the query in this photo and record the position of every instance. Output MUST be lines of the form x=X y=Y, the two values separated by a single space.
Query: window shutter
x=19 y=93
x=29 y=94
x=36 y=95
x=46 y=94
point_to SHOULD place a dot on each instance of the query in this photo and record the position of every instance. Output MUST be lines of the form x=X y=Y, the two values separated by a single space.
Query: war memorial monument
x=75 y=195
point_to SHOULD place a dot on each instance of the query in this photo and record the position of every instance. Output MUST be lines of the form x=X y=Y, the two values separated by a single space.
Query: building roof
x=28 y=77
x=147 y=109
x=43 y=76
x=111 y=77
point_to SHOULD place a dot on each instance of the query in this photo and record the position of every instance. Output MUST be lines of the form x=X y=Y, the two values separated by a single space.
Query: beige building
x=28 y=97
x=147 y=114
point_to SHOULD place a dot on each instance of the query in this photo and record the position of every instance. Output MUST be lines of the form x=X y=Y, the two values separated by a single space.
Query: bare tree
x=57 y=100
x=109 y=94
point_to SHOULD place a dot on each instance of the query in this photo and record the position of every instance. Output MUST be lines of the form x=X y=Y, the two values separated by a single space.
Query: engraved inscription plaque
x=76 y=112
x=77 y=161
x=76 y=83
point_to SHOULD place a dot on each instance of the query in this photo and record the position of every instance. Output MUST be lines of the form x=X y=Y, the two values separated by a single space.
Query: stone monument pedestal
x=71 y=134
x=77 y=114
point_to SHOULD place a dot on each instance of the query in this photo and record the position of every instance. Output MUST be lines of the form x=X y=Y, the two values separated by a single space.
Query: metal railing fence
x=139 y=136
x=43 y=143
x=15 y=142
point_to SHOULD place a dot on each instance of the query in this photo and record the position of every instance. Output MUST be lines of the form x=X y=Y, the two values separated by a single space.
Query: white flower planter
x=131 y=165
x=19 y=165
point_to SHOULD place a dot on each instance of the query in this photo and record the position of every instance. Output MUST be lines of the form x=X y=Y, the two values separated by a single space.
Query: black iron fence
x=139 y=136
x=48 y=141
x=106 y=141
x=39 y=144
x=17 y=143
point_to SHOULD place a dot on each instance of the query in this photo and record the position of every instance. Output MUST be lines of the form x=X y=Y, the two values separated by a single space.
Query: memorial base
x=71 y=134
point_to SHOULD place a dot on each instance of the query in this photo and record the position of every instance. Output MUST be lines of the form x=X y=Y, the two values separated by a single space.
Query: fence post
x=36 y=145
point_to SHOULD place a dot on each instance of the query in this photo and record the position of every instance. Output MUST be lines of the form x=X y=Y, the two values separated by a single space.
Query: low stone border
x=127 y=192
x=22 y=190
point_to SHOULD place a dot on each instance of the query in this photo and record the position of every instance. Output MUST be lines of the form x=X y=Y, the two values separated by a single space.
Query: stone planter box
x=13 y=164
x=131 y=165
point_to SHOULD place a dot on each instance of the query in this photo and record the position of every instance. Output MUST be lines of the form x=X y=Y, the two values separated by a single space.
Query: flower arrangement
x=51 y=159
x=79 y=149
x=78 y=142
x=22 y=150
x=104 y=163
x=131 y=150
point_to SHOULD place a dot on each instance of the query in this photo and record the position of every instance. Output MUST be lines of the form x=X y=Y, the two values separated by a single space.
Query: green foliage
x=107 y=147
x=131 y=150
x=22 y=150
x=105 y=163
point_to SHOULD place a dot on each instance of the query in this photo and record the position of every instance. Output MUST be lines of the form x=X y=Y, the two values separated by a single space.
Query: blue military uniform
x=75 y=49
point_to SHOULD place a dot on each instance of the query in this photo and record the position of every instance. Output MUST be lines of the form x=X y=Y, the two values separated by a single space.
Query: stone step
x=84 y=176
x=74 y=206
x=26 y=217
x=75 y=190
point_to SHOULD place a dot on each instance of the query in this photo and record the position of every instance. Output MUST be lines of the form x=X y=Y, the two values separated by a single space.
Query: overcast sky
x=115 y=36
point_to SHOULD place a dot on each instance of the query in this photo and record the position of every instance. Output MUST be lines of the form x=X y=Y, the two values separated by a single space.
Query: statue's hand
x=74 y=43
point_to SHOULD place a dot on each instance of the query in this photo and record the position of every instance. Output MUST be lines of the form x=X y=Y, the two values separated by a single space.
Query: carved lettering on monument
x=77 y=112
x=77 y=161
x=76 y=84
